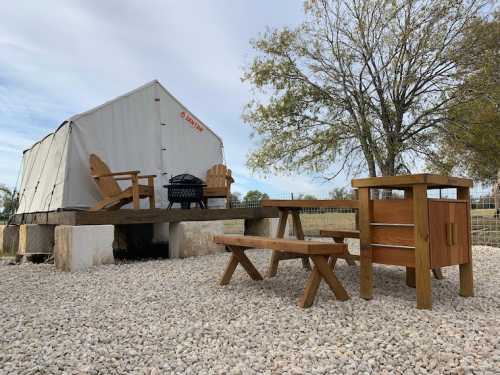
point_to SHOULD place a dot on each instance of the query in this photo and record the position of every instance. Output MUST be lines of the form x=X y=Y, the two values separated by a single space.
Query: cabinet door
x=449 y=233
x=439 y=217
x=459 y=216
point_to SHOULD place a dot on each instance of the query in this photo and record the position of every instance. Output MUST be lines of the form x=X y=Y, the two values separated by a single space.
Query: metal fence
x=485 y=220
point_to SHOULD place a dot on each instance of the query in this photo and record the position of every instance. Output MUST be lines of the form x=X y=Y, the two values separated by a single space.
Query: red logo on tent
x=189 y=119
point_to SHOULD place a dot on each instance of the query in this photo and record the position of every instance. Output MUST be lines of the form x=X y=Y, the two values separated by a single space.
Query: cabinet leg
x=365 y=259
x=424 y=292
x=366 y=274
x=410 y=277
x=466 y=280
x=422 y=261
x=438 y=274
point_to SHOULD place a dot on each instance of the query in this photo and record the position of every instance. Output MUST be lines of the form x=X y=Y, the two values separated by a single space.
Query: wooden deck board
x=146 y=216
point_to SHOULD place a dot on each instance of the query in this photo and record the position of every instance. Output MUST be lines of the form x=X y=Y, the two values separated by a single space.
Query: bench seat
x=334 y=233
x=280 y=244
x=322 y=254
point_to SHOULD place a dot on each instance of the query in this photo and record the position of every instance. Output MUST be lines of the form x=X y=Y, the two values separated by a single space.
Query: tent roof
x=90 y=111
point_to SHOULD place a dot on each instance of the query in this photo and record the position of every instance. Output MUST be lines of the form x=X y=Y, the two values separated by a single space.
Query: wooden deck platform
x=146 y=216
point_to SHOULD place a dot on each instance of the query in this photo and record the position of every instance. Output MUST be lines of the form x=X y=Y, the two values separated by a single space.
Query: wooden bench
x=322 y=255
x=339 y=236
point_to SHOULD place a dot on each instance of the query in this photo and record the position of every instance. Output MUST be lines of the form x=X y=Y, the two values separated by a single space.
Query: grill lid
x=186 y=179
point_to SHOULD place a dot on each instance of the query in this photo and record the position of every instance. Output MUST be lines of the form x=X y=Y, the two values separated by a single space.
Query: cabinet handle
x=454 y=233
x=449 y=234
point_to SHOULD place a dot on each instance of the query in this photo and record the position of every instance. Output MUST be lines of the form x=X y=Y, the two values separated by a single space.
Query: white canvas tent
x=147 y=130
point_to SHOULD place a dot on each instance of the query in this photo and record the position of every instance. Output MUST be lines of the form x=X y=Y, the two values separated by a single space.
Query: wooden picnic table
x=293 y=207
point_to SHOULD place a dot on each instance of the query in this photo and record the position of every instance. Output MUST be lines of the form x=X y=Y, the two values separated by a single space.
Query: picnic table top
x=310 y=203
x=431 y=180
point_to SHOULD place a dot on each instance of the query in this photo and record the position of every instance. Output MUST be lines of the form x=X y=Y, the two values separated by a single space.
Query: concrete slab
x=80 y=247
x=187 y=239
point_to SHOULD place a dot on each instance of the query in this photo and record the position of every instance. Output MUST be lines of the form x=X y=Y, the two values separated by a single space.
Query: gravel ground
x=170 y=316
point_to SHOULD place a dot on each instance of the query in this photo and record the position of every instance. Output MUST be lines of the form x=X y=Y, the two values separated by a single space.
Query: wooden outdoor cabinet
x=393 y=232
x=417 y=232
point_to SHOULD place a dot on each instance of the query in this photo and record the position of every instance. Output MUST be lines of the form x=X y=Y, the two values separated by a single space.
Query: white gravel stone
x=171 y=316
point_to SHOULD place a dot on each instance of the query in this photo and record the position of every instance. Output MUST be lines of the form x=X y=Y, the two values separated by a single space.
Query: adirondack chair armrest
x=147 y=176
x=130 y=173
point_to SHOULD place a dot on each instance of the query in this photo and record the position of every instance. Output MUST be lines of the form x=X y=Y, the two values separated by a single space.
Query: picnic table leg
x=299 y=233
x=275 y=257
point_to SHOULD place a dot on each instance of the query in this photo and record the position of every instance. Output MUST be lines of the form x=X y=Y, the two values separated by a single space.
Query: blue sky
x=58 y=58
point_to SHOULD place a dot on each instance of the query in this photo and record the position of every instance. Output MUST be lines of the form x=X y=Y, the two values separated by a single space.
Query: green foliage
x=341 y=193
x=360 y=84
x=470 y=141
x=308 y=197
x=8 y=202
x=254 y=196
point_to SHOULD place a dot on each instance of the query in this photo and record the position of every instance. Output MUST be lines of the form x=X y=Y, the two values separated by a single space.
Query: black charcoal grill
x=185 y=189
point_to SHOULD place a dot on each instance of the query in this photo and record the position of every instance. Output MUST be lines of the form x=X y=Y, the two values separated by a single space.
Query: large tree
x=359 y=84
x=253 y=197
x=470 y=138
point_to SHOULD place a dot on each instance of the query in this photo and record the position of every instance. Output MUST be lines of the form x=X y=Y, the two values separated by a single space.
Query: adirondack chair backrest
x=107 y=185
x=219 y=176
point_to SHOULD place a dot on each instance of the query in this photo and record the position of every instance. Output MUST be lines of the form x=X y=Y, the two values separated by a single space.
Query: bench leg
x=327 y=273
x=228 y=273
x=322 y=269
x=238 y=256
x=245 y=262
x=311 y=289
x=273 y=265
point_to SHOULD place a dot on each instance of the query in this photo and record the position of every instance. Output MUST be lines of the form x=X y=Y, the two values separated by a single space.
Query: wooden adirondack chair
x=218 y=182
x=113 y=197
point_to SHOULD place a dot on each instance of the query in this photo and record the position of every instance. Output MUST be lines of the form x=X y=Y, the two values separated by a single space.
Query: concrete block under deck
x=80 y=247
x=188 y=239
x=35 y=239
x=9 y=239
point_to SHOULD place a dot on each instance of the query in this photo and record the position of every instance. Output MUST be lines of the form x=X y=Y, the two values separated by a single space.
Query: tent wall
x=124 y=133
x=188 y=146
x=146 y=130
x=43 y=172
